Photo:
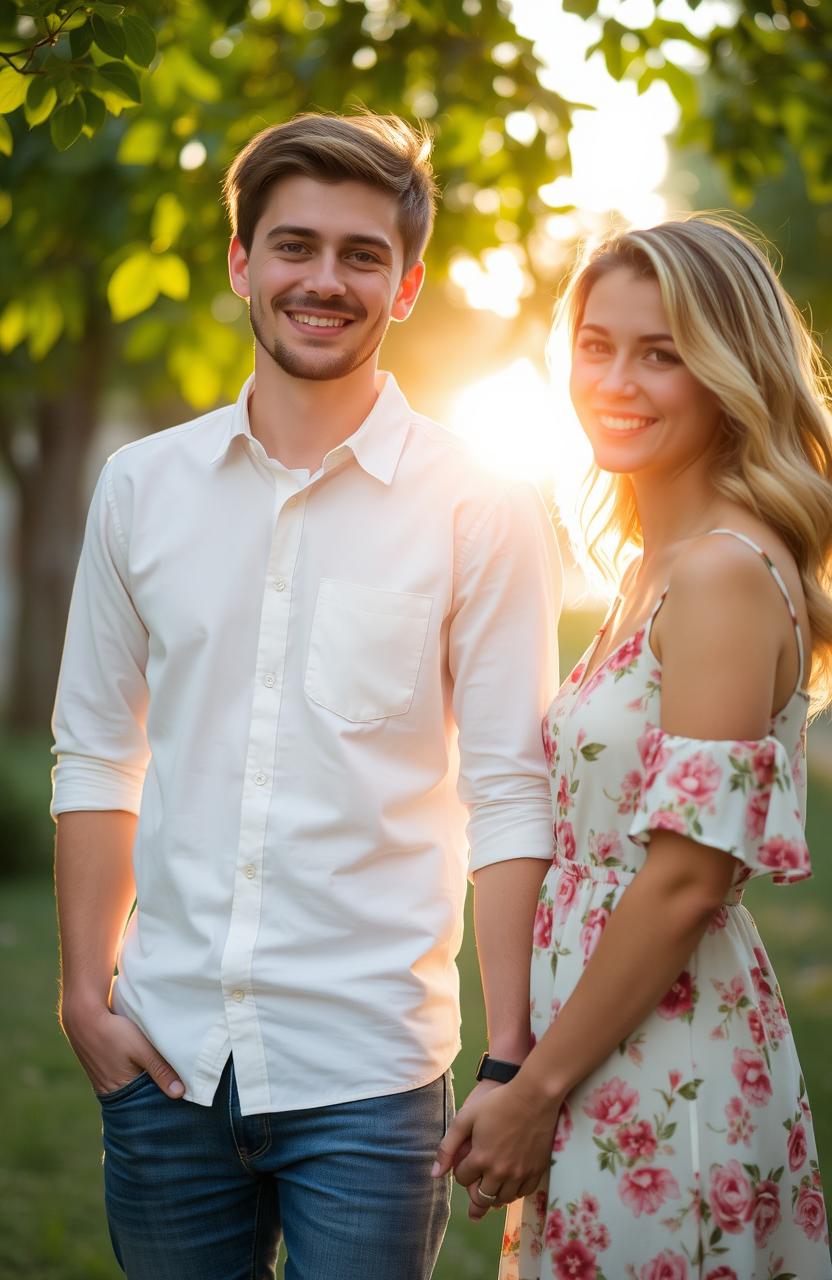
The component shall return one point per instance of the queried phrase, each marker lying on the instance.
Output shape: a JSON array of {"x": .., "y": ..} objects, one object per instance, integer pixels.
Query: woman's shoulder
[{"x": 743, "y": 559}]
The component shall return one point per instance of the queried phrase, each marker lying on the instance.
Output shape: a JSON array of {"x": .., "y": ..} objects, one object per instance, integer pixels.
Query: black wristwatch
[{"x": 496, "y": 1069}]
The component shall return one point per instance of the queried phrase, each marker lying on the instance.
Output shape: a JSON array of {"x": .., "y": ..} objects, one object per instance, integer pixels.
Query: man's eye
[
  {"x": 361, "y": 255},
  {"x": 291, "y": 246}
]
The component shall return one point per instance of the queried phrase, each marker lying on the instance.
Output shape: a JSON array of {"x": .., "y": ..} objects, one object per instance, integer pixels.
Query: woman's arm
[{"x": 722, "y": 637}]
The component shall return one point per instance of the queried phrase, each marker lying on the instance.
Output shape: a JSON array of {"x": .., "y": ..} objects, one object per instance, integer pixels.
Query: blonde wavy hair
[{"x": 743, "y": 338}]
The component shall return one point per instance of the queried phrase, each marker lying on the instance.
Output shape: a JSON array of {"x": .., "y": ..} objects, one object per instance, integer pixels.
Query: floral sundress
[{"x": 689, "y": 1153}]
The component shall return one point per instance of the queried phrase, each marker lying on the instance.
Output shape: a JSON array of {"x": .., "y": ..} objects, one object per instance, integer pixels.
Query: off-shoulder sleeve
[{"x": 736, "y": 796}]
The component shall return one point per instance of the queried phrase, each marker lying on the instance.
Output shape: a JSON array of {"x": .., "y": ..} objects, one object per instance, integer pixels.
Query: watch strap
[{"x": 496, "y": 1069}]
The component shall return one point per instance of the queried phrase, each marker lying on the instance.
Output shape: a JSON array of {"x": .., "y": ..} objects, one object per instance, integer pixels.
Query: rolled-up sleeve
[
  {"x": 101, "y": 704},
  {"x": 503, "y": 661}
]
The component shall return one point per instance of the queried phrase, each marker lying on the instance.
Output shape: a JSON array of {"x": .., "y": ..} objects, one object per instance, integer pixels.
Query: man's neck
[{"x": 298, "y": 420}]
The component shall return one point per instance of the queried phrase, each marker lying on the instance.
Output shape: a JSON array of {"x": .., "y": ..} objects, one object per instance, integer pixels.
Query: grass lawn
[{"x": 51, "y": 1220}]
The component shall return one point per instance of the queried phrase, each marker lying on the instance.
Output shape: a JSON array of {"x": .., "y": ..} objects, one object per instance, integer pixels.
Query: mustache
[{"x": 335, "y": 306}]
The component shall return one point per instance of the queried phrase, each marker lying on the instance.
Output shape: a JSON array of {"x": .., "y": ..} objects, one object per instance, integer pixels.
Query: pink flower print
[
  {"x": 565, "y": 892},
  {"x": 696, "y": 778},
  {"x": 630, "y": 792},
  {"x": 766, "y": 1211},
  {"x": 667, "y": 820},
  {"x": 750, "y": 1073},
  {"x": 564, "y": 799},
  {"x": 718, "y": 920},
  {"x": 637, "y": 1140},
  {"x": 645, "y": 1190},
  {"x": 665, "y": 1266},
  {"x": 809, "y": 1213},
  {"x": 756, "y": 1027},
  {"x": 613, "y": 1102},
  {"x": 679, "y": 999},
  {"x": 597, "y": 1236},
  {"x": 550, "y": 749},
  {"x": 756, "y": 812},
  {"x": 577, "y": 673},
  {"x": 563, "y": 1128},
  {"x": 654, "y": 754},
  {"x": 722, "y": 1273},
  {"x": 543, "y": 925},
  {"x": 675, "y": 1078},
  {"x": 730, "y": 1196},
  {"x": 555, "y": 1232},
  {"x": 762, "y": 763},
  {"x": 740, "y": 1127},
  {"x": 783, "y": 854},
  {"x": 626, "y": 652},
  {"x": 575, "y": 1262},
  {"x": 589, "y": 1205},
  {"x": 594, "y": 925},
  {"x": 797, "y": 1147},
  {"x": 565, "y": 840},
  {"x": 606, "y": 846}
]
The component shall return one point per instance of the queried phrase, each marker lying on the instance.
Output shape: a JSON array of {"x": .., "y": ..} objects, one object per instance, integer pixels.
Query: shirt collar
[{"x": 376, "y": 445}]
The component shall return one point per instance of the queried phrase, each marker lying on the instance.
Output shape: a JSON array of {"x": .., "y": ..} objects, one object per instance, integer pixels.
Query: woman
[{"x": 684, "y": 1144}]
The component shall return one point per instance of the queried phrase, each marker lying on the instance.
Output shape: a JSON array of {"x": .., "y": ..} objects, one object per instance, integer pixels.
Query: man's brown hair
[{"x": 382, "y": 151}]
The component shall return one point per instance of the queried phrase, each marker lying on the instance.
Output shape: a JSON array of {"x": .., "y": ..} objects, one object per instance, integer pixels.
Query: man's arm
[
  {"x": 95, "y": 890},
  {"x": 503, "y": 658},
  {"x": 102, "y": 753}
]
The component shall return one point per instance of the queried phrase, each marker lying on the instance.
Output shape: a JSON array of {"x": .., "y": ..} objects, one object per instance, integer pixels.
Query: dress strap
[{"x": 778, "y": 578}]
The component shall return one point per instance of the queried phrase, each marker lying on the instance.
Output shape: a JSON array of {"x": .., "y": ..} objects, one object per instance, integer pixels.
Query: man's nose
[{"x": 324, "y": 277}]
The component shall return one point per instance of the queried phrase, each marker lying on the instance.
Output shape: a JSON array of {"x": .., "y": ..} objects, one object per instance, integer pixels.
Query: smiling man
[{"x": 301, "y": 623}]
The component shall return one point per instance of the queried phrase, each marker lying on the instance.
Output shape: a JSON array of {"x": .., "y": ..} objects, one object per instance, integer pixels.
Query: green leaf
[
  {"x": 141, "y": 143},
  {"x": 592, "y": 750},
  {"x": 80, "y": 40},
  {"x": 6, "y": 206},
  {"x": 172, "y": 276},
  {"x": 168, "y": 219},
  {"x": 133, "y": 286},
  {"x": 109, "y": 36},
  {"x": 13, "y": 87},
  {"x": 6, "y": 143},
  {"x": 12, "y": 326},
  {"x": 122, "y": 79},
  {"x": 45, "y": 324},
  {"x": 67, "y": 123},
  {"x": 95, "y": 109},
  {"x": 140, "y": 38},
  {"x": 40, "y": 99},
  {"x": 583, "y": 8}
]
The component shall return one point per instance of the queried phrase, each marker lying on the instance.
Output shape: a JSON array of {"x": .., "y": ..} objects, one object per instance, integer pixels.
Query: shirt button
[
  {"x": 238, "y": 995},
  {"x": 279, "y": 584},
  {"x": 260, "y": 779},
  {"x": 249, "y": 872},
  {"x": 269, "y": 680}
]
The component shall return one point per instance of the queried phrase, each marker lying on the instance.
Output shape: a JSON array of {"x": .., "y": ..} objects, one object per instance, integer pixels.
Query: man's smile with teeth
[
  {"x": 611, "y": 422},
  {"x": 317, "y": 322}
]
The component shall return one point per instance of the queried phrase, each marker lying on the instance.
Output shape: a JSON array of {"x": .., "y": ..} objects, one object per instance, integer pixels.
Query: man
[{"x": 283, "y": 611}]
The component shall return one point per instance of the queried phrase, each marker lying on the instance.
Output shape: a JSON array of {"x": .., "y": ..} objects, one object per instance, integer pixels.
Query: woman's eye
[
  {"x": 593, "y": 347},
  {"x": 658, "y": 355}
]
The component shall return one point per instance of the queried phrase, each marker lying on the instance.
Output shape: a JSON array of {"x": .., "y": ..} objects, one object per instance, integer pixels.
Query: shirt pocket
[{"x": 365, "y": 649}]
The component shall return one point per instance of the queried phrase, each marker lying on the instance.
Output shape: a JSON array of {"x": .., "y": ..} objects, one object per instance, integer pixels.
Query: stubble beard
[{"x": 311, "y": 369}]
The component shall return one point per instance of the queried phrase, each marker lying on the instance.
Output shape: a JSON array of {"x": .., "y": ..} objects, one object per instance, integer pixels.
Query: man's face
[{"x": 324, "y": 276}]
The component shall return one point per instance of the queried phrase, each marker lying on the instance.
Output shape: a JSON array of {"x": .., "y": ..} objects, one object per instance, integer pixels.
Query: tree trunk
[{"x": 52, "y": 512}]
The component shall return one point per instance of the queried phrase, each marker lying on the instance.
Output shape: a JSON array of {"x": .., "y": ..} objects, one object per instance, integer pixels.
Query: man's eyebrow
[
  {"x": 308, "y": 233},
  {"x": 644, "y": 337}
]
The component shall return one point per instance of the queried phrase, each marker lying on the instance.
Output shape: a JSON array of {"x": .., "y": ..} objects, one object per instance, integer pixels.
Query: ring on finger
[{"x": 484, "y": 1196}]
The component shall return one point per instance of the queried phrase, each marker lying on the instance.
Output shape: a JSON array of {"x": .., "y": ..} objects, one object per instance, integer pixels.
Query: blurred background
[{"x": 553, "y": 121}]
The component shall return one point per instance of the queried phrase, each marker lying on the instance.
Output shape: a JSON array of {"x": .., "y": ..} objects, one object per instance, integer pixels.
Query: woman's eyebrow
[{"x": 644, "y": 337}]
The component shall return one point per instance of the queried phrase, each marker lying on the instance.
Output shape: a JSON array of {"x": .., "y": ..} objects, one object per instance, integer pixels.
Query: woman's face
[{"x": 640, "y": 406}]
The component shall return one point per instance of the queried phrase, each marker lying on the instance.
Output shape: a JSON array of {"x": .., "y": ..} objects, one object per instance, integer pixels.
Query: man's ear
[
  {"x": 408, "y": 291},
  {"x": 238, "y": 268}
]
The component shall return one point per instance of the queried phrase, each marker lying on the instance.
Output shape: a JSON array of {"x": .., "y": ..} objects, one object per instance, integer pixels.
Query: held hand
[
  {"x": 478, "y": 1208},
  {"x": 502, "y": 1147},
  {"x": 113, "y": 1051}
]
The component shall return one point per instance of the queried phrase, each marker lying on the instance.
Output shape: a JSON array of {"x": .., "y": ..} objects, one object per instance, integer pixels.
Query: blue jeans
[{"x": 204, "y": 1193}]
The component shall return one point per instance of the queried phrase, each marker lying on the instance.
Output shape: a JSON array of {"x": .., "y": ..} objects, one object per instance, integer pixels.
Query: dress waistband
[{"x": 620, "y": 876}]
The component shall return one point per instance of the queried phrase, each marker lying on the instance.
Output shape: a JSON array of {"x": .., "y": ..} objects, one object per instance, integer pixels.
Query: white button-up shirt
[{"x": 270, "y": 669}]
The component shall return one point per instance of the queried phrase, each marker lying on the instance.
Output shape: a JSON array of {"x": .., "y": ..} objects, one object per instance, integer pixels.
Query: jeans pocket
[{"x": 126, "y": 1090}]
